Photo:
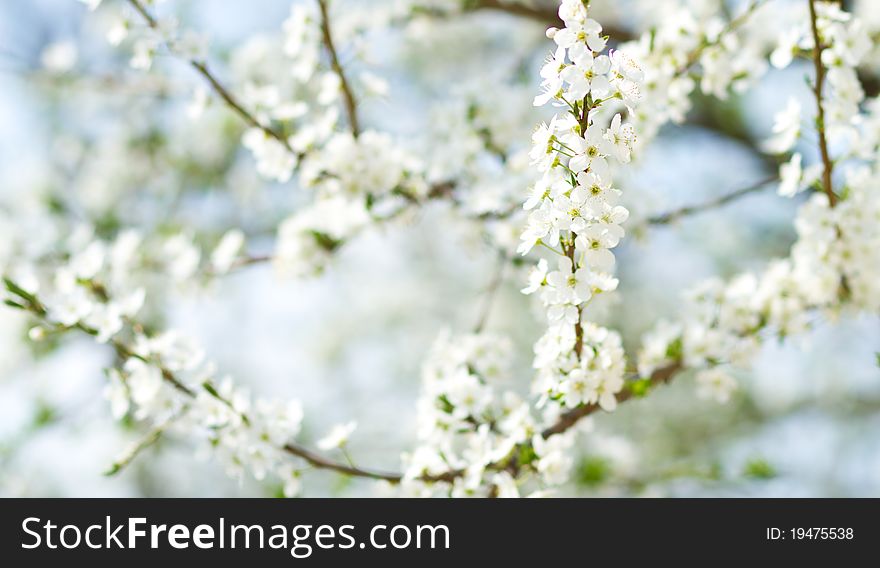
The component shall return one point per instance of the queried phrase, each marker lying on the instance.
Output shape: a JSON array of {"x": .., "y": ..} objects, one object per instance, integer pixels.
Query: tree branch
[
  {"x": 570, "y": 418},
  {"x": 31, "y": 303},
  {"x": 676, "y": 214},
  {"x": 321, "y": 462},
  {"x": 827, "y": 163},
  {"x": 347, "y": 93},
  {"x": 202, "y": 68},
  {"x": 732, "y": 26},
  {"x": 547, "y": 14}
]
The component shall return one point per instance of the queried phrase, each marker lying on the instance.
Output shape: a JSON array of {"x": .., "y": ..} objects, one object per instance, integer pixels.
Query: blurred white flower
[
  {"x": 60, "y": 56},
  {"x": 337, "y": 437}
]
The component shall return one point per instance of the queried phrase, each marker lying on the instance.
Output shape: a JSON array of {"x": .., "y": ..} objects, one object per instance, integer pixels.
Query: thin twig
[
  {"x": 221, "y": 91},
  {"x": 676, "y": 214},
  {"x": 732, "y": 26},
  {"x": 152, "y": 437},
  {"x": 250, "y": 261},
  {"x": 321, "y": 462},
  {"x": 345, "y": 87}
]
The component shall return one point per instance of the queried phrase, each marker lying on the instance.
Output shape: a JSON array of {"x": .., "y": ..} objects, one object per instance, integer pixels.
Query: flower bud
[{"x": 37, "y": 333}]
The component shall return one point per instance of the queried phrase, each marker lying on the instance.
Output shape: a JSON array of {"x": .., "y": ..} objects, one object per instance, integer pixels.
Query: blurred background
[{"x": 83, "y": 135}]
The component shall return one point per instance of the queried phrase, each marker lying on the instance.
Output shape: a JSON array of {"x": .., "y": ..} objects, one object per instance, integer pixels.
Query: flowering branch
[
  {"x": 228, "y": 98},
  {"x": 564, "y": 423},
  {"x": 230, "y": 404},
  {"x": 152, "y": 437},
  {"x": 476, "y": 436},
  {"x": 661, "y": 376},
  {"x": 731, "y": 27},
  {"x": 347, "y": 94},
  {"x": 818, "y": 85},
  {"x": 19, "y": 298}
]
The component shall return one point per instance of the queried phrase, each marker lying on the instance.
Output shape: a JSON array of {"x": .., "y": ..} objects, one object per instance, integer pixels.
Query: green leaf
[
  {"x": 112, "y": 470},
  {"x": 593, "y": 471},
  {"x": 44, "y": 415},
  {"x": 675, "y": 350},
  {"x": 18, "y": 291},
  {"x": 759, "y": 468},
  {"x": 640, "y": 387},
  {"x": 444, "y": 405},
  {"x": 325, "y": 241},
  {"x": 526, "y": 455},
  {"x": 211, "y": 390}
]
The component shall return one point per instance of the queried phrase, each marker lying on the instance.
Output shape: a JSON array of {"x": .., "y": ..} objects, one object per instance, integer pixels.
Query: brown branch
[
  {"x": 547, "y": 14},
  {"x": 321, "y": 462},
  {"x": 32, "y": 304},
  {"x": 732, "y": 26},
  {"x": 827, "y": 162},
  {"x": 202, "y": 68},
  {"x": 674, "y": 215},
  {"x": 250, "y": 260},
  {"x": 565, "y": 422},
  {"x": 570, "y": 418},
  {"x": 569, "y": 251},
  {"x": 347, "y": 94}
]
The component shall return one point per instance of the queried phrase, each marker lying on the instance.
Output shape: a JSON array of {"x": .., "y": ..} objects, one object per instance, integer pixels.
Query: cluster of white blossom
[
  {"x": 295, "y": 100},
  {"x": 355, "y": 177},
  {"x": 479, "y": 139},
  {"x": 356, "y": 181},
  {"x": 575, "y": 211},
  {"x": 844, "y": 45},
  {"x": 290, "y": 93},
  {"x": 147, "y": 41},
  {"x": 474, "y": 437},
  {"x": 827, "y": 270},
  {"x": 464, "y": 423},
  {"x": 834, "y": 265},
  {"x": 730, "y": 53},
  {"x": 478, "y": 136},
  {"x": 86, "y": 281},
  {"x": 167, "y": 383},
  {"x": 92, "y": 287},
  {"x": 161, "y": 380}
]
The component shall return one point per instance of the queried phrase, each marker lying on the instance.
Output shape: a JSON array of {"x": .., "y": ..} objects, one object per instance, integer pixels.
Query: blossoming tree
[{"x": 554, "y": 208}]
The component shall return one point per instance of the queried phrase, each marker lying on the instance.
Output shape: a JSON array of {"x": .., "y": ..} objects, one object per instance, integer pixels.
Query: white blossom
[{"x": 338, "y": 436}]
